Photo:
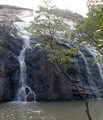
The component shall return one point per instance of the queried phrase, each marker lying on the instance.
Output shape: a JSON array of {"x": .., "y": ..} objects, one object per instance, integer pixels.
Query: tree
[
  {"x": 47, "y": 29},
  {"x": 91, "y": 32},
  {"x": 98, "y": 34},
  {"x": 84, "y": 32},
  {"x": 91, "y": 3}
]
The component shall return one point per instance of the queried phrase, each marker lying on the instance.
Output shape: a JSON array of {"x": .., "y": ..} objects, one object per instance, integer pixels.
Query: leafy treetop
[{"x": 47, "y": 28}]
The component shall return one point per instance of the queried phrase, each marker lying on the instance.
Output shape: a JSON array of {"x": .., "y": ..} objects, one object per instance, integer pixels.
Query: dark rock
[
  {"x": 49, "y": 85},
  {"x": 6, "y": 93},
  {"x": 10, "y": 47},
  {"x": 43, "y": 77},
  {"x": 30, "y": 97}
]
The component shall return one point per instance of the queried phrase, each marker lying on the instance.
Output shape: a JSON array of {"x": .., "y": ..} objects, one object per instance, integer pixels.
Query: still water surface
[{"x": 51, "y": 110}]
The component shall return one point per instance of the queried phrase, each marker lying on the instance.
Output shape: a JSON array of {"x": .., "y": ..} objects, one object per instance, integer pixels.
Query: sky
[{"x": 78, "y": 6}]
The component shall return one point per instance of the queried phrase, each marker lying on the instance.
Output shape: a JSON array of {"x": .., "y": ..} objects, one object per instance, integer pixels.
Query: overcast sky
[{"x": 78, "y": 6}]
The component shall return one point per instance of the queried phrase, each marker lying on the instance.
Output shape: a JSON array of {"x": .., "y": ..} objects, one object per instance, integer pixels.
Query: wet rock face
[
  {"x": 8, "y": 65},
  {"x": 49, "y": 84},
  {"x": 90, "y": 74},
  {"x": 10, "y": 46},
  {"x": 44, "y": 78}
]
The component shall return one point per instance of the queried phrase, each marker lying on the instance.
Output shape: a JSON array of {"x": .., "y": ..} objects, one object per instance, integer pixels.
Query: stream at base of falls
[{"x": 74, "y": 110}]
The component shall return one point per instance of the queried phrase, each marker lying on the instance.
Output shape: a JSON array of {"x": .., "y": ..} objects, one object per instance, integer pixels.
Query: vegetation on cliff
[
  {"x": 48, "y": 26},
  {"x": 90, "y": 32}
]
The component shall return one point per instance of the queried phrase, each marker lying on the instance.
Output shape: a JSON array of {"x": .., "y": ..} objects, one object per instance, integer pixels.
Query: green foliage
[
  {"x": 93, "y": 3},
  {"x": 50, "y": 29},
  {"x": 47, "y": 29},
  {"x": 78, "y": 80},
  {"x": 62, "y": 55},
  {"x": 48, "y": 22},
  {"x": 91, "y": 31},
  {"x": 99, "y": 33},
  {"x": 84, "y": 32},
  {"x": 99, "y": 59}
]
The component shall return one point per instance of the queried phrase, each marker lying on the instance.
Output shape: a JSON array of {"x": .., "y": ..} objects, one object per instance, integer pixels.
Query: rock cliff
[
  {"x": 44, "y": 78},
  {"x": 10, "y": 46}
]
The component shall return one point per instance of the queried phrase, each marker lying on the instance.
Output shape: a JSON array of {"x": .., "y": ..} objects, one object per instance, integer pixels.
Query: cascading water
[
  {"x": 91, "y": 83},
  {"x": 94, "y": 53},
  {"x": 87, "y": 67},
  {"x": 24, "y": 92}
]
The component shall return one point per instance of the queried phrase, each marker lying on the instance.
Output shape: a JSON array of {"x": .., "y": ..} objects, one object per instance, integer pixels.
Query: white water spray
[
  {"x": 96, "y": 92},
  {"x": 24, "y": 92},
  {"x": 94, "y": 53}
]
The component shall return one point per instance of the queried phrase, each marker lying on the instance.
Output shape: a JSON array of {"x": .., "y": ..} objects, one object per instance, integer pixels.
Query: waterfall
[
  {"x": 93, "y": 87},
  {"x": 94, "y": 53},
  {"x": 24, "y": 92},
  {"x": 86, "y": 64}
]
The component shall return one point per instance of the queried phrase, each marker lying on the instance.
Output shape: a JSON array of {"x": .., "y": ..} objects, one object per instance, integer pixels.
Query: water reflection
[{"x": 50, "y": 111}]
